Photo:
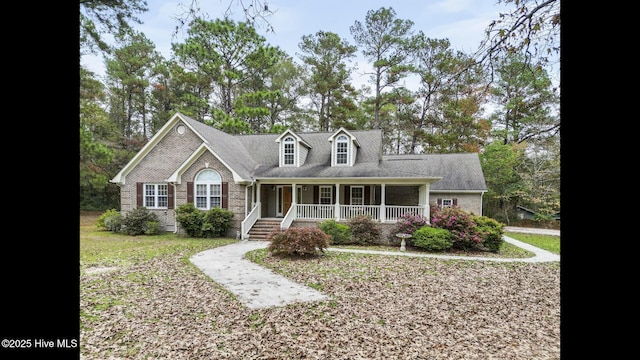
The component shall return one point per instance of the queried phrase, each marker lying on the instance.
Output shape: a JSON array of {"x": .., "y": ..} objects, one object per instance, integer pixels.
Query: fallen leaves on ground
[{"x": 380, "y": 307}]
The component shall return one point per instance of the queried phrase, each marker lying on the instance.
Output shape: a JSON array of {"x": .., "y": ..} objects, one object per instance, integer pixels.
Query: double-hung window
[
  {"x": 357, "y": 195},
  {"x": 326, "y": 194},
  {"x": 342, "y": 150},
  {"x": 156, "y": 196},
  {"x": 289, "y": 151},
  {"x": 208, "y": 190}
]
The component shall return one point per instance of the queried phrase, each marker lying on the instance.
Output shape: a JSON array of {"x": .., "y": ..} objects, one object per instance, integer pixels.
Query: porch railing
[
  {"x": 322, "y": 212},
  {"x": 315, "y": 211},
  {"x": 251, "y": 219},
  {"x": 393, "y": 213}
]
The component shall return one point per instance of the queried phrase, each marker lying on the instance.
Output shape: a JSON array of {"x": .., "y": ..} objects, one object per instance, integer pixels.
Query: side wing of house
[
  {"x": 176, "y": 166},
  {"x": 462, "y": 184}
]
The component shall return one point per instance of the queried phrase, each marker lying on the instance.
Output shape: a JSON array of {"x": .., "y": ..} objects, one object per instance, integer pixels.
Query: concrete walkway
[
  {"x": 259, "y": 287},
  {"x": 254, "y": 285}
]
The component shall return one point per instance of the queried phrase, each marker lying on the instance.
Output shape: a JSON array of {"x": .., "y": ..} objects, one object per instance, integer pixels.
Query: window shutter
[
  {"x": 367, "y": 195},
  {"x": 333, "y": 195},
  {"x": 455, "y": 202},
  {"x": 139, "y": 194},
  {"x": 439, "y": 201},
  {"x": 170, "y": 196},
  {"x": 316, "y": 197},
  {"x": 347, "y": 194},
  {"x": 225, "y": 195},
  {"x": 190, "y": 192}
]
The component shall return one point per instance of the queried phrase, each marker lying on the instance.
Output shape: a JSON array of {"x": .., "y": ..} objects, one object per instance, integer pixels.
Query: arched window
[
  {"x": 208, "y": 186},
  {"x": 342, "y": 150},
  {"x": 289, "y": 152}
]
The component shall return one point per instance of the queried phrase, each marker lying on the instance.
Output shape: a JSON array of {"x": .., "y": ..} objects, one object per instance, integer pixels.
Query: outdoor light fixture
[{"x": 304, "y": 188}]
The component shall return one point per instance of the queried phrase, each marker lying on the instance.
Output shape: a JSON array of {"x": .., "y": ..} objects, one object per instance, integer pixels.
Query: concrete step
[{"x": 262, "y": 228}]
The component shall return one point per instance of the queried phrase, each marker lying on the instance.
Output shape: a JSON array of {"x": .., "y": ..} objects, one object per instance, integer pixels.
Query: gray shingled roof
[{"x": 256, "y": 156}]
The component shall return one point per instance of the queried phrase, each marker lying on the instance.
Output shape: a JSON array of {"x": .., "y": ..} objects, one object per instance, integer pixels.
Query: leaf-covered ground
[{"x": 380, "y": 307}]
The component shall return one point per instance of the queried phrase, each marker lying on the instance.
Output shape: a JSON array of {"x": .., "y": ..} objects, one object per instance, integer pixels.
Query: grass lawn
[{"x": 550, "y": 243}]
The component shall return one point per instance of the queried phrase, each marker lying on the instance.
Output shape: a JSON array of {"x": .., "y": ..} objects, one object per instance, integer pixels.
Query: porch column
[
  {"x": 336, "y": 207},
  {"x": 383, "y": 206},
  {"x": 423, "y": 200},
  {"x": 294, "y": 193},
  {"x": 258, "y": 191},
  {"x": 246, "y": 196},
  {"x": 294, "y": 200}
]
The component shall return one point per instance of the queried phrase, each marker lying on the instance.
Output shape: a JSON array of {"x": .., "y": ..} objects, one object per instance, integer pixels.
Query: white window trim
[
  {"x": 156, "y": 195},
  {"x": 351, "y": 197},
  {"x": 295, "y": 151},
  {"x": 347, "y": 154},
  {"x": 320, "y": 197},
  {"x": 450, "y": 201},
  {"x": 208, "y": 196}
]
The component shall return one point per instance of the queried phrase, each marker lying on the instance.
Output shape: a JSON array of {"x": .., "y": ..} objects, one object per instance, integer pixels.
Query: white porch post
[
  {"x": 258, "y": 191},
  {"x": 383, "y": 206},
  {"x": 336, "y": 207},
  {"x": 424, "y": 201},
  {"x": 246, "y": 197},
  {"x": 294, "y": 199}
]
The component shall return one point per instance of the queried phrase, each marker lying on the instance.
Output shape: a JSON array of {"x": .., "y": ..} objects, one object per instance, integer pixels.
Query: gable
[
  {"x": 292, "y": 149},
  {"x": 176, "y": 125}
]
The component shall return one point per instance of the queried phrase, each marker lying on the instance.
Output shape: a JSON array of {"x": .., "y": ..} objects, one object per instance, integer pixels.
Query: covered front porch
[{"x": 384, "y": 202}]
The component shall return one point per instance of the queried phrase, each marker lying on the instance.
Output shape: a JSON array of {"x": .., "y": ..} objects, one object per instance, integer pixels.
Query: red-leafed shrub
[
  {"x": 364, "y": 230},
  {"x": 464, "y": 231},
  {"x": 298, "y": 241}
]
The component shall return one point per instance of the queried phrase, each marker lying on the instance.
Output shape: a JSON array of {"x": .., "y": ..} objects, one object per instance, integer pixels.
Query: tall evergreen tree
[
  {"x": 326, "y": 55},
  {"x": 129, "y": 71},
  {"x": 526, "y": 102},
  {"x": 383, "y": 41}
]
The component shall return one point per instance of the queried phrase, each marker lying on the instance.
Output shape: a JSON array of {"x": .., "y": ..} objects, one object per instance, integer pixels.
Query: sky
[{"x": 462, "y": 22}]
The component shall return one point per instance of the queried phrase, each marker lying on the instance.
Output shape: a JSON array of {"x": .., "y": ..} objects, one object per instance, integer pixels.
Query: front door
[{"x": 284, "y": 200}]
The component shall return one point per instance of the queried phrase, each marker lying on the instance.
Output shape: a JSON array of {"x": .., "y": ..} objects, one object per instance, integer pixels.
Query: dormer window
[
  {"x": 289, "y": 152},
  {"x": 293, "y": 149},
  {"x": 342, "y": 150}
]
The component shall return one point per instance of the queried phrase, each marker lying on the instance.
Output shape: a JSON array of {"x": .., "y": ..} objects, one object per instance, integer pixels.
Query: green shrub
[
  {"x": 216, "y": 222},
  {"x": 364, "y": 230},
  {"x": 432, "y": 239},
  {"x": 110, "y": 220},
  {"x": 491, "y": 231},
  {"x": 298, "y": 241},
  {"x": 198, "y": 223},
  {"x": 464, "y": 232},
  {"x": 139, "y": 221},
  {"x": 153, "y": 228},
  {"x": 190, "y": 219},
  {"x": 339, "y": 234}
]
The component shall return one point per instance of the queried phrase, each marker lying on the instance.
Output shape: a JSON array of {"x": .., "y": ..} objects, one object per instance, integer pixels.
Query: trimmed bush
[
  {"x": 339, "y": 234},
  {"x": 409, "y": 223},
  {"x": 197, "y": 223},
  {"x": 298, "y": 241},
  {"x": 110, "y": 220},
  {"x": 190, "y": 219},
  {"x": 432, "y": 239},
  {"x": 491, "y": 231},
  {"x": 140, "y": 221},
  {"x": 464, "y": 232},
  {"x": 364, "y": 230},
  {"x": 216, "y": 222}
]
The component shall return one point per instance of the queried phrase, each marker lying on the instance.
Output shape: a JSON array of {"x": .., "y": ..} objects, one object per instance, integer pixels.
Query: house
[
  {"x": 524, "y": 213},
  {"x": 291, "y": 179}
]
